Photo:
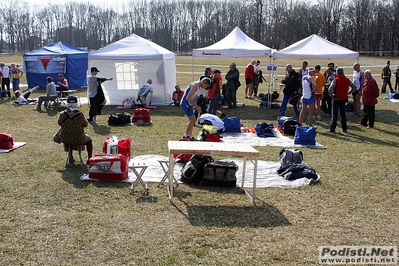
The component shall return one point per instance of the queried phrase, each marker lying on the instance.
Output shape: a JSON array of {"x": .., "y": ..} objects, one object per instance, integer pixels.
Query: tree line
[{"x": 181, "y": 25}]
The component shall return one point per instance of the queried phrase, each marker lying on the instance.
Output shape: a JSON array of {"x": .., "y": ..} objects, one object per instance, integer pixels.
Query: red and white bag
[
  {"x": 123, "y": 146},
  {"x": 6, "y": 141},
  {"x": 109, "y": 167},
  {"x": 141, "y": 116}
]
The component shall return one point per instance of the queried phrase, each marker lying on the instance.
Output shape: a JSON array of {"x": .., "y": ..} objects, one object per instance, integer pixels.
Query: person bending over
[{"x": 188, "y": 103}]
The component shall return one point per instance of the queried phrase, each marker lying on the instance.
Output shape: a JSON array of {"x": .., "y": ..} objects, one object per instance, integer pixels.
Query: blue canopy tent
[{"x": 58, "y": 58}]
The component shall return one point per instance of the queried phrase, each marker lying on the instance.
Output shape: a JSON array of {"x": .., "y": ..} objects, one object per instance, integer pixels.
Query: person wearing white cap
[{"x": 72, "y": 123}]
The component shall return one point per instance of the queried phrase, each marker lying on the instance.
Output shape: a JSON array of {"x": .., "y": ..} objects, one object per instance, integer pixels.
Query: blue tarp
[{"x": 59, "y": 58}]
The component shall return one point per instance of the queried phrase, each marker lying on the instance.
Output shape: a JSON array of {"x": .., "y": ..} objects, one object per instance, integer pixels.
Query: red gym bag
[{"x": 6, "y": 141}]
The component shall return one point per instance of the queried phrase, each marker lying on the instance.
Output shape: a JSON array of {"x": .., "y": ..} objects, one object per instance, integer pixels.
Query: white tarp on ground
[
  {"x": 235, "y": 44},
  {"x": 131, "y": 62},
  {"x": 266, "y": 176},
  {"x": 315, "y": 47}
]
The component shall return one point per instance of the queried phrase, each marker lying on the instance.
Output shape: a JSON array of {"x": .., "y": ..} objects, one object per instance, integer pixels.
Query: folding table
[{"x": 214, "y": 148}]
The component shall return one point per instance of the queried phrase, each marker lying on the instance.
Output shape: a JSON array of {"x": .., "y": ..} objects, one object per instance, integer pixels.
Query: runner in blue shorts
[
  {"x": 308, "y": 98},
  {"x": 188, "y": 103}
]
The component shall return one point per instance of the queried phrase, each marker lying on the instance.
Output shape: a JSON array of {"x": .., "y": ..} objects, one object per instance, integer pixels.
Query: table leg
[
  {"x": 254, "y": 181},
  {"x": 170, "y": 185},
  {"x": 244, "y": 167}
]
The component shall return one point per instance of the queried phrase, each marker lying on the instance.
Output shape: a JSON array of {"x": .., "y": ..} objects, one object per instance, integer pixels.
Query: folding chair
[
  {"x": 165, "y": 167},
  {"x": 139, "y": 178},
  {"x": 70, "y": 148}
]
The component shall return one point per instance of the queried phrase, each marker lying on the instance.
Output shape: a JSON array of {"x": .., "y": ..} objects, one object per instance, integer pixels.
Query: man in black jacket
[{"x": 292, "y": 83}]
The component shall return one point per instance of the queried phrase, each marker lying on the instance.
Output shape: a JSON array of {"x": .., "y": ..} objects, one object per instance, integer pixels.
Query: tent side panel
[
  {"x": 77, "y": 70},
  {"x": 163, "y": 75}
]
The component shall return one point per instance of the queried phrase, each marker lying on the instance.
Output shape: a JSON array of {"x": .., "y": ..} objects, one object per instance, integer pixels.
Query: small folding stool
[
  {"x": 165, "y": 167},
  {"x": 71, "y": 147},
  {"x": 138, "y": 171}
]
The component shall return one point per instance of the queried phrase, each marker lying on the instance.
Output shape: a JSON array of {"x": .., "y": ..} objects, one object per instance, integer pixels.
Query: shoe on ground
[
  {"x": 246, "y": 97},
  {"x": 92, "y": 122},
  {"x": 72, "y": 160},
  {"x": 369, "y": 127},
  {"x": 344, "y": 131},
  {"x": 39, "y": 110},
  {"x": 330, "y": 131}
]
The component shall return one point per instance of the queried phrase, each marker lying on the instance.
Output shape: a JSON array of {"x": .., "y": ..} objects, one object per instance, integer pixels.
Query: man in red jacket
[
  {"x": 249, "y": 78},
  {"x": 339, "y": 90},
  {"x": 370, "y": 94}
]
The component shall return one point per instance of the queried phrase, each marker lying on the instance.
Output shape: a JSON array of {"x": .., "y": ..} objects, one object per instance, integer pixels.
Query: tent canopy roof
[
  {"x": 315, "y": 47},
  {"x": 235, "y": 44},
  {"x": 132, "y": 47},
  {"x": 57, "y": 48}
]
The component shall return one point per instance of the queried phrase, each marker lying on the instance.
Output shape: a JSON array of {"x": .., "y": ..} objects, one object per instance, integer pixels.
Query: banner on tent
[
  {"x": 271, "y": 68},
  {"x": 45, "y": 64}
]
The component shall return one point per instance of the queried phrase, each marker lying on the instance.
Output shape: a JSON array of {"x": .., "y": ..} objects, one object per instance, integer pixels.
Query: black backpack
[
  {"x": 119, "y": 119},
  {"x": 289, "y": 127},
  {"x": 289, "y": 157},
  {"x": 193, "y": 171}
]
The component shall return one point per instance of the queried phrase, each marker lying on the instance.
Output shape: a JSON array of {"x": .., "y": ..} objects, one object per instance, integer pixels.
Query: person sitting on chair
[
  {"x": 62, "y": 85},
  {"x": 144, "y": 92},
  {"x": 72, "y": 123},
  {"x": 177, "y": 95},
  {"x": 51, "y": 95}
]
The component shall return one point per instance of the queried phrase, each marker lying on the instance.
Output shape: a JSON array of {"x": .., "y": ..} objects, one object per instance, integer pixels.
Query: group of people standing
[
  {"x": 9, "y": 75},
  {"x": 328, "y": 93}
]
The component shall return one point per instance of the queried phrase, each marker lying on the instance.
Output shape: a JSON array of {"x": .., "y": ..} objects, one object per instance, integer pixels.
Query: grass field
[{"x": 48, "y": 216}]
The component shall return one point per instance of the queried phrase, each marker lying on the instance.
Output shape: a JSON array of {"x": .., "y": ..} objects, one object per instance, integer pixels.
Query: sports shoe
[
  {"x": 330, "y": 131},
  {"x": 344, "y": 131},
  {"x": 39, "y": 110}
]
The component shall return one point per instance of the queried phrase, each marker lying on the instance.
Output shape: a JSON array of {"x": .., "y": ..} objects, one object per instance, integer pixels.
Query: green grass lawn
[{"x": 48, "y": 216}]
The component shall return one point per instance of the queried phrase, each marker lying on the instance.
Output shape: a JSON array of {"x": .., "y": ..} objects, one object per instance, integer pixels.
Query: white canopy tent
[
  {"x": 235, "y": 44},
  {"x": 131, "y": 62},
  {"x": 315, "y": 47}
]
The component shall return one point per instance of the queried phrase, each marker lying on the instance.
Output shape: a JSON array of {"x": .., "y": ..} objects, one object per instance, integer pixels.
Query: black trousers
[
  {"x": 368, "y": 115},
  {"x": 326, "y": 102},
  {"x": 386, "y": 81},
  {"x": 338, "y": 105}
]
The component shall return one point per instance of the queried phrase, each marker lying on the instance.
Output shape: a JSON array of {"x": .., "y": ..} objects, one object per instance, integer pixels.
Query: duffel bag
[
  {"x": 119, "y": 119},
  {"x": 6, "y": 141},
  {"x": 305, "y": 135},
  {"x": 221, "y": 174},
  {"x": 193, "y": 170}
]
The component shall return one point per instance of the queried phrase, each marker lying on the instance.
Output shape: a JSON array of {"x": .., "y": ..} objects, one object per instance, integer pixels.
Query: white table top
[{"x": 204, "y": 147}]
